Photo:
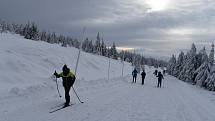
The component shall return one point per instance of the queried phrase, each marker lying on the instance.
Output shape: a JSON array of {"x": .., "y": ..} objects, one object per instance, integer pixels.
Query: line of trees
[
  {"x": 137, "y": 59},
  {"x": 31, "y": 31},
  {"x": 196, "y": 68}
]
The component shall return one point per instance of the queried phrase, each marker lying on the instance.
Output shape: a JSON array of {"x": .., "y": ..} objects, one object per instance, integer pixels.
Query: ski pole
[
  {"x": 76, "y": 67},
  {"x": 57, "y": 88},
  {"x": 77, "y": 95}
]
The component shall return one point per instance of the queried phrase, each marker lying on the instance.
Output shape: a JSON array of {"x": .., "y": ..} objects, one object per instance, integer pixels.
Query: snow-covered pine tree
[
  {"x": 9, "y": 27},
  {"x": 210, "y": 82},
  {"x": 85, "y": 44},
  {"x": 211, "y": 56},
  {"x": 179, "y": 65},
  {"x": 171, "y": 65},
  {"x": 210, "y": 85},
  {"x": 91, "y": 46},
  {"x": 70, "y": 41},
  {"x": 113, "y": 51},
  {"x": 98, "y": 44},
  {"x": 15, "y": 28},
  {"x": 42, "y": 36},
  {"x": 20, "y": 30},
  {"x": 26, "y": 30},
  {"x": 48, "y": 37},
  {"x": 61, "y": 39},
  {"x": 201, "y": 74},
  {"x": 103, "y": 49},
  {"x": 76, "y": 43},
  {"x": 3, "y": 27},
  {"x": 31, "y": 31},
  {"x": 121, "y": 55},
  {"x": 189, "y": 68},
  {"x": 201, "y": 57},
  {"x": 53, "y": 38}
]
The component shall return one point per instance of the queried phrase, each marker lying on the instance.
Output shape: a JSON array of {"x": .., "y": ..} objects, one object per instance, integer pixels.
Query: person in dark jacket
[
  {"x": 143, "y": 74},
  {"x": 160, "y": 77},
  {"x": 156, "y": 72},
  {"x": 164, "y": 71},
  {"x": 68, "y": 81},
  {"x": 134, "y": 74}
]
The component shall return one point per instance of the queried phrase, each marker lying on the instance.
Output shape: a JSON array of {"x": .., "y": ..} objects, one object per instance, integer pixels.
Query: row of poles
[
  {"x": 77, "y": 63},
  {"x": 109, "y": 60}
]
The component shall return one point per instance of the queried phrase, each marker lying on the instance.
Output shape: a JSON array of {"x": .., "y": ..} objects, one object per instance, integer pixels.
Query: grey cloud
[{"x": 127, "y": 22}]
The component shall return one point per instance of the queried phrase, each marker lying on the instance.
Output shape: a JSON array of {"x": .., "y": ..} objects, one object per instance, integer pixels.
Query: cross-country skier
[
  {"x": 143, "y": 76},
  {"x": 156, "y": 72},
  {"x": 68, "y": 81},
  {"x": 160, "y": 77},
  {"x": 164, "y": 71},
  {"x": 134, "y": 74}
]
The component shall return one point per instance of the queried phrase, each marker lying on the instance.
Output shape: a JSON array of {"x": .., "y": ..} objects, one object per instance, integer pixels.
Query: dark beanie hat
[{"x": 64, "y": 67}]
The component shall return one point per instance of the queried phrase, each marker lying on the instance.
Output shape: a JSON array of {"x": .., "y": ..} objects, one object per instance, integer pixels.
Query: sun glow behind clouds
[
  {"x": 157, "y": 5},
  {"x": 124, "y": 48}
]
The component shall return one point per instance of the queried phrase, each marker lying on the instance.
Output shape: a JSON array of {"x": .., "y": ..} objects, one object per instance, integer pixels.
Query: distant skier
[
  {"x": 68, "y": 81},
  {"x": 134, "y": 74},
  {"x": 143, "y": 74},
  {"x": 160, "y": 77},
  {"x": 164, "y": 71},
  {"x": 156, "y": 72}
]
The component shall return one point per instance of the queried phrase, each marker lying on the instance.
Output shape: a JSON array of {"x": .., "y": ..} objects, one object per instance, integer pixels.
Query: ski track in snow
[{"x": 120, "y": 100}]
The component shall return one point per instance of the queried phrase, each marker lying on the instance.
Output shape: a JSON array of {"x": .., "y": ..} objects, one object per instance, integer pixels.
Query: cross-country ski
[{"x": 60, "y": 108}]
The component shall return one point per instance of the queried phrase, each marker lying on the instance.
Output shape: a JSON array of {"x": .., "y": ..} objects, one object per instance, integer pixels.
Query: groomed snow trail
[{"x": 120, "y": 100}]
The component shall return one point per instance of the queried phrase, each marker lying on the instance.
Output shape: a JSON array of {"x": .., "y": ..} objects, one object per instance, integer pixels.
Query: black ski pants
[
  {"x": 159, "y": 83},
  {"x": 134, "y": 79},
  {"x": 67, "y": 96},
  {"x": 143, "y": 78}
]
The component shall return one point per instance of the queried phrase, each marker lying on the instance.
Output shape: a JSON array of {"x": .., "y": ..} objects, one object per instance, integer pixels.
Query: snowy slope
[
  {"x": 28, "y": 94},
  {"x": 24, "y": 63}
]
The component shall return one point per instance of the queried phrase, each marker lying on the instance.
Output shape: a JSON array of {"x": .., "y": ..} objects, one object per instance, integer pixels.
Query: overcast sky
[{"x": 160, "y": 27}]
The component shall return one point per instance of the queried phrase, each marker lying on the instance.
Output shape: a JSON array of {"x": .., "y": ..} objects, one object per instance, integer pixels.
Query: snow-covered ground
[{"x": 28, "y": 94}]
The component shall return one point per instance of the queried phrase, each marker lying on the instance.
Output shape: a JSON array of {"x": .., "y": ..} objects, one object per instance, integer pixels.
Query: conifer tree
[
  {"x": 179, "y": 65},
  {"x": 211, "y": 56},
  {"x": 171, "y": 65}
]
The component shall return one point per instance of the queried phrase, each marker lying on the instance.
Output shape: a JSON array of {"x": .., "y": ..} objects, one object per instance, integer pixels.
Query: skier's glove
[{"x": 55, "y": 73}]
